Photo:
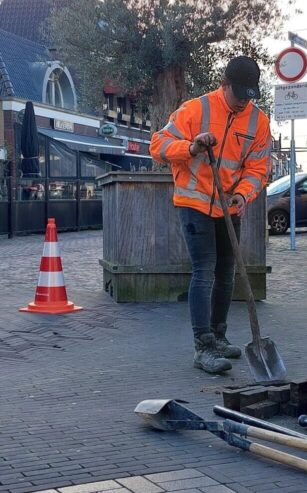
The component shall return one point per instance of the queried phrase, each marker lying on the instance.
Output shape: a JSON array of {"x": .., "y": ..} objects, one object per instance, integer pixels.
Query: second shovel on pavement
[{"x": 262, "y": 354}]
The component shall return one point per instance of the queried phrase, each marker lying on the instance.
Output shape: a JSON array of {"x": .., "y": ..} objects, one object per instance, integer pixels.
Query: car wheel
[{"x": 278, "y": 221}]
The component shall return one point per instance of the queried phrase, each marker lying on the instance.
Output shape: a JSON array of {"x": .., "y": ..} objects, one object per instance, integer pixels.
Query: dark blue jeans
[{"x": 213, "y": 264}]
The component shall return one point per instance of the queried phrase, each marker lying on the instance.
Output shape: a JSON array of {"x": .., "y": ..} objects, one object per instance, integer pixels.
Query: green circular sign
[{"x": 108, "y": 129}]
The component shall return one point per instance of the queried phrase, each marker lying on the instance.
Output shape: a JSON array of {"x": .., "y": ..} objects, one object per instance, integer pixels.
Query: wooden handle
[
  {"x": 270, "y": 453},
  {"x": 237, "y": 253},
  {"x": 272, "y": 436}
]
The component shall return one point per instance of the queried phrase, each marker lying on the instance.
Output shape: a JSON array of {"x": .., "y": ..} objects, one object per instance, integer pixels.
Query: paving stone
[
  {"x": 216, "y": 489},
  {"x": 215, "y": 473},
  {"x": 187, "y": 491},
  {"x": 172, "y": 475},
  {"x": 48, "y": 491},
  {"x": 279, "y": 393},
  {"x": 238, "y": 488},
  {"x": 263, "y": 410},
  {"x": 90, "y": 487},
  {"x": 139, "y": 484},
  {"x": 188, "y": 483},
  {"x": 249, "y": 397}
]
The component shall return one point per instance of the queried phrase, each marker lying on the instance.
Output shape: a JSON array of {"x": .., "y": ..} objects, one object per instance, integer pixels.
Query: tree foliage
[{"x": 159, "y": 51}]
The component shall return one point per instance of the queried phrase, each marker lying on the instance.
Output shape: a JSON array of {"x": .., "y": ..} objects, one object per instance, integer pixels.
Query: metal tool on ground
[
  {"x": 262, "y": 354},
  {"x": 224, "y": 412},
  {"x": 171, "y": 415}
]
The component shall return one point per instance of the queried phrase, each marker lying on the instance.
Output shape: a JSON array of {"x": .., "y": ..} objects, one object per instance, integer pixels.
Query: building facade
[{"x": 75, "y": 148}]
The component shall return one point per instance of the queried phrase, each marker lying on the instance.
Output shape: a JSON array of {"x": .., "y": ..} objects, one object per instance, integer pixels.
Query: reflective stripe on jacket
[{"x": 242, "y": 152}]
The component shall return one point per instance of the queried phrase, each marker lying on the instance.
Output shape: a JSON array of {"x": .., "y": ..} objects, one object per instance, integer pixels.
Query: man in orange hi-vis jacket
[{"x": 240, "y": 133}]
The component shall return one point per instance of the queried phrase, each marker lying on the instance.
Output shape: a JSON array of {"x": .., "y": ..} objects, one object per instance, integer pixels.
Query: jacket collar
[{"x": 221, "y": 97}]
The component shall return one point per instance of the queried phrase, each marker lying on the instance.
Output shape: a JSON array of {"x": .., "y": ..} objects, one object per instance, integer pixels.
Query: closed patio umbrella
[{"x": 29, "y": 144}]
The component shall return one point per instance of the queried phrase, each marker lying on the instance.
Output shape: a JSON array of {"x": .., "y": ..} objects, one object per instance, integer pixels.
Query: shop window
[
  {"x": 3, "y": 189},
  {"x": 62, "y": 190},
  {"x": 30, "y": 189},
  {"x": 89, "y": 190},
  {"x": 63, "y": 162},
  {"x": 93, "y": 167}
]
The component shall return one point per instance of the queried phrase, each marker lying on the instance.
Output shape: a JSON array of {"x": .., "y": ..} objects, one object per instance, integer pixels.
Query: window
[
  {"x": 58, "y": 87},
  {"x": 302, "y": 188},
  {"x": 62, "y": 161},
  {"x": 93, "y": 167},
  {"x": 4, "y": 183},
  {"x": 54, "y": 94},
  {"x": 121, "y": 106},
  {"x": 109, "y": 98},
  {"x": 30, "y": 189},
  {"x": 62, "y": 190},
  {"x": 89, "y": 190}
]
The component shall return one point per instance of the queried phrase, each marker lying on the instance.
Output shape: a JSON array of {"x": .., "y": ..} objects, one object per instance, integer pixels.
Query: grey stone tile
[
  {"x": 138, "y": 484},
  {"x": 188, "y": 483},
  {"x": 47, "y": 491},
  {"x": 187, "y": 491},
  {"x": 172, "y": 475},
  {"x": 91, "y": 487},
  {"x": 217, "y": 489}
]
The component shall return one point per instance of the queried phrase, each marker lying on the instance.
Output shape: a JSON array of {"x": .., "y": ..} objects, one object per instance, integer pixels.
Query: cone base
[{"x": 53, "y": 309}]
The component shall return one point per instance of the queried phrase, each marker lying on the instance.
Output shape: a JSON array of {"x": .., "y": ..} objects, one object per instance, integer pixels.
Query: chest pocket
[{"x": 244, "y": 141}]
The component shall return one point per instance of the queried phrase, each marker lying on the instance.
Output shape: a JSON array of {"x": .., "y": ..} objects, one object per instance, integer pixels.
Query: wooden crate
[{"x": 144, "y": 254}]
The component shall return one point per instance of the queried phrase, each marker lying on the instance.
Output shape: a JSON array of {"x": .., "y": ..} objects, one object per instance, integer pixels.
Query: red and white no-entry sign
[{"x": 291, "y": 64}]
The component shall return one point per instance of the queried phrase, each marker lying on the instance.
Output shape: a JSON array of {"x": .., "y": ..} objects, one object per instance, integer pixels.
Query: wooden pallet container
[{"x": 144, "y": 253}]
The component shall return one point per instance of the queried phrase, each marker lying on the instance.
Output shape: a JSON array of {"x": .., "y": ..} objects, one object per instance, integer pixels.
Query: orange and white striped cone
[{"x": 50, "y": 296}]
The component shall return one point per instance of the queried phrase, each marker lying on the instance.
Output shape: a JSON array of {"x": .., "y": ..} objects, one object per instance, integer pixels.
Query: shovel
[
  {"x": 262, "y": 354},
  {"x": 171, "y": 415}
]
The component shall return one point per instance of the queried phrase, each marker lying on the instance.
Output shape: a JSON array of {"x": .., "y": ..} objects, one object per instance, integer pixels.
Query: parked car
[{"x": 278, "y": 203}]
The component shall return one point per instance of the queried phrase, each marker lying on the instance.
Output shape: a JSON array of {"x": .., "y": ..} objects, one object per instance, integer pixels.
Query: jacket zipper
[{"x": 228, "y": 125}]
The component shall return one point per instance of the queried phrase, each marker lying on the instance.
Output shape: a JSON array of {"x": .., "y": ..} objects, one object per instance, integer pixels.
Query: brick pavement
[{"x": 69, "y": 383}]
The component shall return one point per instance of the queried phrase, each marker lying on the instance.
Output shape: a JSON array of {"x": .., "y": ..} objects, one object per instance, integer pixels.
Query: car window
[
  {"x": 302, "y": 187},
  {"x": 282, "y": 184}
]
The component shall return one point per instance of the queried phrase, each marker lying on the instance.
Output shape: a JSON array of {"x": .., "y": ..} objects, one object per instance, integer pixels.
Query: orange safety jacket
[{"x": 242, "y": 152}]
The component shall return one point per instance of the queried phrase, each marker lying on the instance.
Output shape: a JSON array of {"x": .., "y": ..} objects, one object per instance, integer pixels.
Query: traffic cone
[{"x": 50, "y": 296}]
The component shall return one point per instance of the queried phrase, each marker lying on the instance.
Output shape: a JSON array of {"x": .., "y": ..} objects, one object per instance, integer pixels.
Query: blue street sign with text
[{"x": 294, "y": 38}]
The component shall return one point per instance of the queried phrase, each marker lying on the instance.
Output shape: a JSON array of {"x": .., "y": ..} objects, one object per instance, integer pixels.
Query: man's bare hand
[
  {"x": 201, "y": 143},
  {"x": 238, "y": 201}
]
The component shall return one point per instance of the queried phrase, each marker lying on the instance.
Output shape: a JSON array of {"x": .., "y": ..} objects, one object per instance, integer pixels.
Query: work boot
[
  {"x": 207, "y": 357},
  {"x": 224, "y": 347}
]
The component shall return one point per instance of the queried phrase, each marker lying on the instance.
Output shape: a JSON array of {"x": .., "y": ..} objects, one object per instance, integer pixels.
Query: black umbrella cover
[{"x": 29, "y": 143}]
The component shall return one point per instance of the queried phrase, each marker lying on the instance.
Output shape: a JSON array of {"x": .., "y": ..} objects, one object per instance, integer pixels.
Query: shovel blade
[
  {"x": 264, "y": 361},
  {"x": 158, "y": 412}
]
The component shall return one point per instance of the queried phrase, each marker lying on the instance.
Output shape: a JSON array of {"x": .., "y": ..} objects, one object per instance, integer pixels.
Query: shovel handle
[
  {"x": 277, "y": 455},
  {"x": 267, "y": 452},
  {"x": 268, "y": 435},
  {"x": 250, "y": 300}
]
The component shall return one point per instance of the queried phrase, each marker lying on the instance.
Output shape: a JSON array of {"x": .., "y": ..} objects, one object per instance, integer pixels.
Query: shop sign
[
  {"x": 133, "y": 146},
  {"x": 64, "y": 125},
  {"x": 108, "y": 129}
]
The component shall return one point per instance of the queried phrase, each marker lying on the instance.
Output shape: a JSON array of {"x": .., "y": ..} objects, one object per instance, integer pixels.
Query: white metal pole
[
  {"x": 292, "y": 184},
  {"x": 292, "y": 187}
]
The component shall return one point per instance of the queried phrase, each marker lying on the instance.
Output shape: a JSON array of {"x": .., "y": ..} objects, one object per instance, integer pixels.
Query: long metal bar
[{"x": 244, "y": 418}]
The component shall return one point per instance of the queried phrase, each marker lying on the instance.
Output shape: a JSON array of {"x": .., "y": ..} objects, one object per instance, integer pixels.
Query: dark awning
[
  {"x": 78, "y": 142},
  {"x": 132, "y": 162}
]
